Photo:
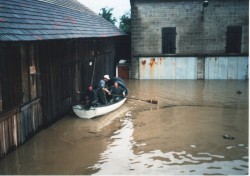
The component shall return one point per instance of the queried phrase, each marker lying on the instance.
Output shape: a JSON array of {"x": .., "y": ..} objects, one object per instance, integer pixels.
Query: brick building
[{"x": 193, "y": 39}]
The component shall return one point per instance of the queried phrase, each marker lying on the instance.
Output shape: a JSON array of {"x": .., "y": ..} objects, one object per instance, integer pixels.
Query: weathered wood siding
[
  {"x": 70, "y": 65},
  {"x": 62, "y": 67},
  {"x": 9, "y": 130},
  {"x": 31, "y": 119},
  {"x": 18, "y": 125}
]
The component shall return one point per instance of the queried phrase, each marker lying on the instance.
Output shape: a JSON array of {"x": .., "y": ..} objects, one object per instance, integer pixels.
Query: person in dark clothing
[
  {"x": 90, "y": 97},
  {"x": 102, "y": 90},
  {"x": 117, "y": 92}
]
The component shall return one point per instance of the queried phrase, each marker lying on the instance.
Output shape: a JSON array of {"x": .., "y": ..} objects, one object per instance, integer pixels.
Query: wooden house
[
  {"x": 48, "y": 50},
  {"x": 194, "y": 39}
]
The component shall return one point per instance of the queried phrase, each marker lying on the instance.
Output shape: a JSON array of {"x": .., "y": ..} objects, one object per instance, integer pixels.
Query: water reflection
[
  {"x": 187, "y": 92},
  {"x": 182, "y": 135},
  {"x": 120, "y": 158},
  {"x": 116, "y": 158},
  {"x": 158, "y": 162}
]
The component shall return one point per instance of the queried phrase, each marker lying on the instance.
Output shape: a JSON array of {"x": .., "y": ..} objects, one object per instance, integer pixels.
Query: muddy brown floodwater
[{"x": 188, "y": 133}]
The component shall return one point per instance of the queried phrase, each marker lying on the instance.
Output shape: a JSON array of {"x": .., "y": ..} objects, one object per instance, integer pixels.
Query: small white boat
[
  {"x": 99, "y": 110},
  {"x": 96, "y": 111}
]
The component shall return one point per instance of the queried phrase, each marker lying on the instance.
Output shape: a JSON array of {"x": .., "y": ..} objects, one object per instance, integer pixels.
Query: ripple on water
[{"x": 120, "y": 158}]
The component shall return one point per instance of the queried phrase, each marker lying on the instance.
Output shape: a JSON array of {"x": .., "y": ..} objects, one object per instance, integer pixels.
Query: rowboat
[
  {"x": 99, "y": 110},
  {"x": 96, "y": 111}
]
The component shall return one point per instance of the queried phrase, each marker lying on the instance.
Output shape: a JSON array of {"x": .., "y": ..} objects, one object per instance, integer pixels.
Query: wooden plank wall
[
  {"x": 63, "y": 66},
  {"x": 18, "y": 125},
  {"x": 31, "y": 120},
  {"x": 70, "y": 65},
  {"x": 59, "y": 64},
  {"x": 9, "y": 131}
]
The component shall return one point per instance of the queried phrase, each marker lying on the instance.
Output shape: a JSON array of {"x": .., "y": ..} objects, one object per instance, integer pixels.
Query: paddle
[{"x": 149, "y": 101}]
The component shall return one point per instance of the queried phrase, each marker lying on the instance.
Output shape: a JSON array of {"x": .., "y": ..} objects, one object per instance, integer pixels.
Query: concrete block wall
[
  {"x": 194, "y": 35},
  {"x": 200, "y": 67}
]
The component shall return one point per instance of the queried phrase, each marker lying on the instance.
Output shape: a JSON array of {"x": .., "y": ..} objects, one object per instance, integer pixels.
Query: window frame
[
  {"x": 169, "y": 40},
  {"x": 233, "y": 39},
  {"x": 11, "y": 79}
]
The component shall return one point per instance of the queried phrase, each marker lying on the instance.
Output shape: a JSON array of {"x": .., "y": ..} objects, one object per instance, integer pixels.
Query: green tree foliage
[
  {"x": 107, "y": 14},
  {"x": 125, "y": 22}
]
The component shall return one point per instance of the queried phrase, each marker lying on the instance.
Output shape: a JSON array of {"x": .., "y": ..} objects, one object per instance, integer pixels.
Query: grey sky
[{"x": 120, "y": 6}]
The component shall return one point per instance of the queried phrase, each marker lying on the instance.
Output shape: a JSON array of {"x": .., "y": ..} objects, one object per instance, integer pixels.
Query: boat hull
[{"x": 96, "y": 111}]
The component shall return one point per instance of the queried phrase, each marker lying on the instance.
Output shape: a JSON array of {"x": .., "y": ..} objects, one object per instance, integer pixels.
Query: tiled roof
[{"x": 27, "y": 20}]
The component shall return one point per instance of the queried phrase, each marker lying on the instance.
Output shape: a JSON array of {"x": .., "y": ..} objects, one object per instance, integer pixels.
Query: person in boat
[
  {"x": 103, "y": 90},
  {"x": 90, "y": 97},
  {"x": 117, "y": 92}
]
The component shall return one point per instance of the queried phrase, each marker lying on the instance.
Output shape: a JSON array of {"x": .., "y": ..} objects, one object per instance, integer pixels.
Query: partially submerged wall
[{"x": 192, "y": 68}]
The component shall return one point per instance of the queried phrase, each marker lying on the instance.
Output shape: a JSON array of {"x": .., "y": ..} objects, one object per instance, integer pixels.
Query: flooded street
[{"x": 198, "y": 128}]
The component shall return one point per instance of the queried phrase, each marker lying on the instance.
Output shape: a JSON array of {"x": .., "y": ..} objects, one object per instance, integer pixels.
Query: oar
[{"x": 149, "y": 101}]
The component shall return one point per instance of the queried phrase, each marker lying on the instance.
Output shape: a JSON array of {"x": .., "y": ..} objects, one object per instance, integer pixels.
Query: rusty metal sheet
[{"x": 168, "y": 68}]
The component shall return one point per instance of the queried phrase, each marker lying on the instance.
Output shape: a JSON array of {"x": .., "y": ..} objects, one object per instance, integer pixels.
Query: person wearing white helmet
[{"x": 102, "y": 90}]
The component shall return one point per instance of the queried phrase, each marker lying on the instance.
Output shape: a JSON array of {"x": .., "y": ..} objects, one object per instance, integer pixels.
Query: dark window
[
  {"x": 10, "y": 71},
  {"x": 168, "y": 40},
  {"x": 234, "y": 34}
]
